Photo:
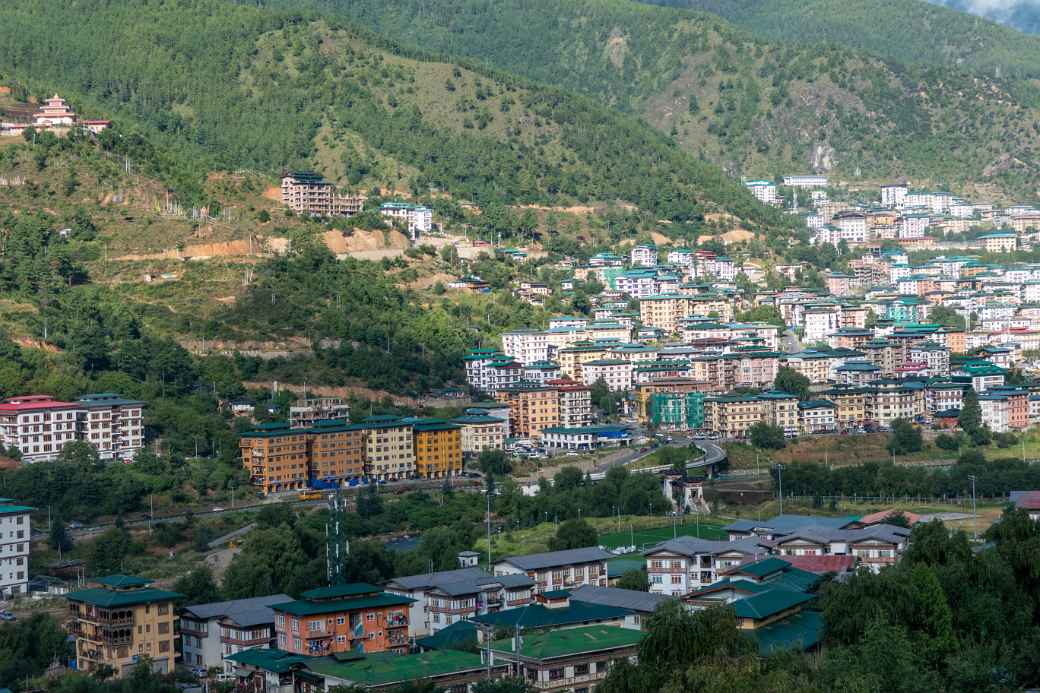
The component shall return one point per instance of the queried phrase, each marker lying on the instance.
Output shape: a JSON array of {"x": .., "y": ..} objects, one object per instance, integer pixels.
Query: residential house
[
  {"x": 559, "y": 569},
  {"x": 211, "y": 632}
]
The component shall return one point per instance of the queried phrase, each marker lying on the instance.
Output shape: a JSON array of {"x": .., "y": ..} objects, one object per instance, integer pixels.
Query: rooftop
[
  {"x": 385, "y": 668},
  {"x": 552, "y": 559},
  {"x": 570, "y": 642},
  {"x": 243, "y": 612},
  {"x": 108, "y": 599},
  {"x": 769, "y": 603}
]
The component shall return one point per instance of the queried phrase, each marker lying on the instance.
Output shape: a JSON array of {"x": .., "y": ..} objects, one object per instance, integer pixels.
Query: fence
[{"x": 963, "y": 501}]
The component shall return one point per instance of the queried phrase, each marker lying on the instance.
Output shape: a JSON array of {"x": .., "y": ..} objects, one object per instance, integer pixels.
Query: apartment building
[
  {"x": 15, "y": 534},
  {"x": 557, "y": 570},
  {"x": 574, "y": 402},
  {"x": 733, "y": 415},
  {"x": 531, "y": 409},
  {"x": 893, "y": 399},
  {"x": 438, "y": 448},
  {"x": 643, "y": 256},
  {"x": 356, "y": 617},
  {"x": 781, "y": 410},
  {"x": 417, "y": 219},
  {"x": 112, "y": 424},
  {"x": 526, "y": 346},
  {"x": 682, "y": 565},
  {"x": 873, "y": 547},
  {"x": 39, "y": 426},
  {"x": 478, "y": 368},
  {"x": 674, "y": 411},
  {"x": 307, "y": 193},
  {"x": 336, "y": 451},
  {"x": 616, "y": 373},
  {"x": 120, "y": 621},
  {"x": 573, "y": 358},
  {"x": 817, "y": 416},
  {"x": 850, "y": 405},
  {"x": 480, "y": 433},
  {"x": 390, "y": 448},
  {"x": 447, "y": 597},
  {"x": 212, "y": 632},
  {"x": 664, "y": 311},
  {"x": 276, "y": 457}
]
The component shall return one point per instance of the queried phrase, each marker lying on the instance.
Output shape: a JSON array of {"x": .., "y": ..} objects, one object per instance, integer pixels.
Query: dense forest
[
  {"x": 755, "y": 106},
  {"x": 233, "y": 86},
  {"x": 891, "y": 29}
]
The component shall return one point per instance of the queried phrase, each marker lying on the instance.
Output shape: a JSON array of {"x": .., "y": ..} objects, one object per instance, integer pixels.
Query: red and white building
[{"x": 55, "y": 115}]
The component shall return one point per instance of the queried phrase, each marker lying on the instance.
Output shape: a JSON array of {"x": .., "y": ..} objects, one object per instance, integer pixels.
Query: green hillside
[
  {"x": 907, "y": 31},
  {"x": 238, "y": 86},
  {"x": 754, "y": 107}
]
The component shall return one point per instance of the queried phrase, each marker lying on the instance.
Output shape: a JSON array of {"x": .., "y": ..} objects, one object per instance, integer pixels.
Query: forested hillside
[
  {"x": 753, "y": 107},
  {"x": 237, "y": 86},
  {"x": 1023, "y": 15},
  {"x": 908, "y": 31}
]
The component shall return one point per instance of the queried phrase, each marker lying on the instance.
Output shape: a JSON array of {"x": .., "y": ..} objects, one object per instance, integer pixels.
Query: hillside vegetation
[
  {"x": 906, "y": 31},
  {"x": 238, "y": 86},
  {"x": 752, "y": 106}
]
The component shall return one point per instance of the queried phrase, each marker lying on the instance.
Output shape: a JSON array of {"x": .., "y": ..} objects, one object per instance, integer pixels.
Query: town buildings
[
  {"x": 558, "y": 569},
  {"x": 120, "y": 621}
]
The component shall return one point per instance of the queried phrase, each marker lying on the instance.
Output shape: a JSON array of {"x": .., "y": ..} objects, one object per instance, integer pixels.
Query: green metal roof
[
  {"x": 15, "y": 509},
  {"x": 570, "y": 641},
  {"x": 269, "y": 659},
  {"x": 310, "y": 608},
  {"x": 537, "y": 616},
  {"x": 768, "y": 603},
  {"x": 461, "y": 635},
  {"x": 801, "y": 631},
  {"x": 385, "y": 668},
  {"x": 122, "y": 581},
  {"x": 353, "y": 589},
  {"x": 110, "y": 599},
  {"x": 764, "y": 567}
]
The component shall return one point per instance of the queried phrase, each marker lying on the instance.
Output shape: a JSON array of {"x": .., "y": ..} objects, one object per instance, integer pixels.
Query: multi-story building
[
  {"x": 15, "y": 533},
  {"x": 574, "y": 402},
  {"x": 643, "y": 256},
  {"x": 306, "y": 192},
  {"x": 39, "y": 426},
  {"x": 557, "y": 570},
  {"x": 416, "y": 218},
  {"x": 390, "y": 448},
  {"x": 336, "y": 452},
  {"x": 616, "y": 373},
  {"x": 478, "y": 368},
  {"x": 211, "y": 632},
  {"x": 531, "y": 408},
  {"x": 763, "y": 190},
  {"x": 526, "y": 346},
  {"x": 732, "y": 416},
  {"x": 480, "y": 433},
  {"x": 817, "y": 416},
  {"x": 276, "y": 457},
  {"x": 675, "y": 411},
  {"x": 121, "y": 621},
  {"x": 343, "y": 618},
  {"x": 450, "y": 596},
  {"x": 438, "y": 448},
  {"x": 781, "y": 410},
  {"x": 681, "y": 565},
  {"x": 112, "y": 424},
  {"x": 304, "y": 413}
]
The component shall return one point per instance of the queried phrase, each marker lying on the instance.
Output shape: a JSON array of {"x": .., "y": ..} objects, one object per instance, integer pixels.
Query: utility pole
[
  {"x": 780, "y": 481},
  {"x": 488, "y": 492},
  {"x": 974, "y": 514}
]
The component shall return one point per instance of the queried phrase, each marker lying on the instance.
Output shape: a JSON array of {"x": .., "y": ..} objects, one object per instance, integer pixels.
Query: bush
[
  {"x": 1005, "y": 440},
  {"x": 948, "y": 442},
  {"x": 766, "y": 437}
]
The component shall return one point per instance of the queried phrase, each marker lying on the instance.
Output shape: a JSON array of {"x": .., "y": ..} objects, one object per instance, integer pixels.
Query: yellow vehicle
[{"x": 310, "y": 495}]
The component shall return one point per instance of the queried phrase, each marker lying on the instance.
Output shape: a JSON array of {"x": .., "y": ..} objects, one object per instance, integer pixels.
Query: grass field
[{"x": 642, "y": 538}]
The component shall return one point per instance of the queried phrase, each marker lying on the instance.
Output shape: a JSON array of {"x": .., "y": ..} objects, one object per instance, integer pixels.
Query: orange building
[
  {"x": 337, "y": 450},
  {"x": 531, "y": 408},
  {"x": 438, "y": 448},
  {"x": 343, "y": 618},
  {"x": 276, "y": 456}
]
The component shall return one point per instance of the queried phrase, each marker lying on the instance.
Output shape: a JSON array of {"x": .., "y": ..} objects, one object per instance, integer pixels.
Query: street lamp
[
  {"x": 974, "y": 514},
  {"x": 780, "y": 481}
]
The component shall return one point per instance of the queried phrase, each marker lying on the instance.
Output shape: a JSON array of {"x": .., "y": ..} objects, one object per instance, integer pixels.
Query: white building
[
  {"x": 682, "y": 565},
  {"x": 557, "y": 570},
  {"x": 418, "y": 219},
  {"x": 763, "y": 190},
  {"x": 852, "y": 226},
  {"x": 643, "y": 256},
  {"x": 809, "y": 181},
  {"x": 113, "y": 425},
  {"x": 913, "y": 225},
  {"x": 616, "y": 373},
  {"x": 526, "y": 346},
  {"x": 212, "y": 632},
  {"x": 819, "y": 323},
  {"x": 14, "y": 548},
  {"x": 893, "y": 195}
]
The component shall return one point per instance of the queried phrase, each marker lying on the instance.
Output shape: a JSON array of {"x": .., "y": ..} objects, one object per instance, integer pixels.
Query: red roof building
[{"x": 823, "y": 564}]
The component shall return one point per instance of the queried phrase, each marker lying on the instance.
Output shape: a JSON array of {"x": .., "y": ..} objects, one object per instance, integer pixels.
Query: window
[
  {"x": 581, "y": 669},
  {"x": 555, "y": 674}
]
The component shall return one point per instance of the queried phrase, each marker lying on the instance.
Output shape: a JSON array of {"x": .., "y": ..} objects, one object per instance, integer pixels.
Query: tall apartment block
[
  {"x": 112, "y": 424},
  {"x": 306, "y": 192},
  {"x": 14, "y": 548}
]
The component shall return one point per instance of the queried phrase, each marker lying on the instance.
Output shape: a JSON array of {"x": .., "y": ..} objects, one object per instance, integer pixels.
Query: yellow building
[
  {"x": 733, "y": 415},
  {"x": 390, "y": 448},
  {"x": 438, "y": 448},
  {"x": 122, "y": 621},
  {"x": 664, "y": 311},
  {"x": 573, "y": 357}
]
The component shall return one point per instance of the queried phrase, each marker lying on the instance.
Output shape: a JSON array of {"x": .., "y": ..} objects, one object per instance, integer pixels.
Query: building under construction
[{"x": 306, "y": 192}]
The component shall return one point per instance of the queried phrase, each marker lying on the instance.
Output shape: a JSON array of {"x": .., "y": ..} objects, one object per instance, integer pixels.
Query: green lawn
[{"x": 645, "y": 538}]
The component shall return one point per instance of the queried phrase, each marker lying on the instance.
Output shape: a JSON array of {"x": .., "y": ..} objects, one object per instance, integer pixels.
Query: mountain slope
[
  {"x": 755, "y": 108},
  {"x": 892, "y": 29},
  {"x": 238, "y": 86},
  {"x": 1023, "y": 15}
]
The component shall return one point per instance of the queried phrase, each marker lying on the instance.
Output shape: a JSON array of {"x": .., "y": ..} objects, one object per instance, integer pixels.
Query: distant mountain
[
  {"x": 1023, "y": 15},
  {"x": 810, "y": 99}
]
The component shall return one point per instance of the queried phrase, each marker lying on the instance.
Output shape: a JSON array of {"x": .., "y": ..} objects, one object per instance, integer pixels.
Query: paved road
[{"x": 789, "y": 342}]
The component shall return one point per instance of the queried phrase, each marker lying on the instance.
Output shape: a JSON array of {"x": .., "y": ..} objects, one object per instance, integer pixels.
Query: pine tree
[{"x": 970, "y": 419}]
